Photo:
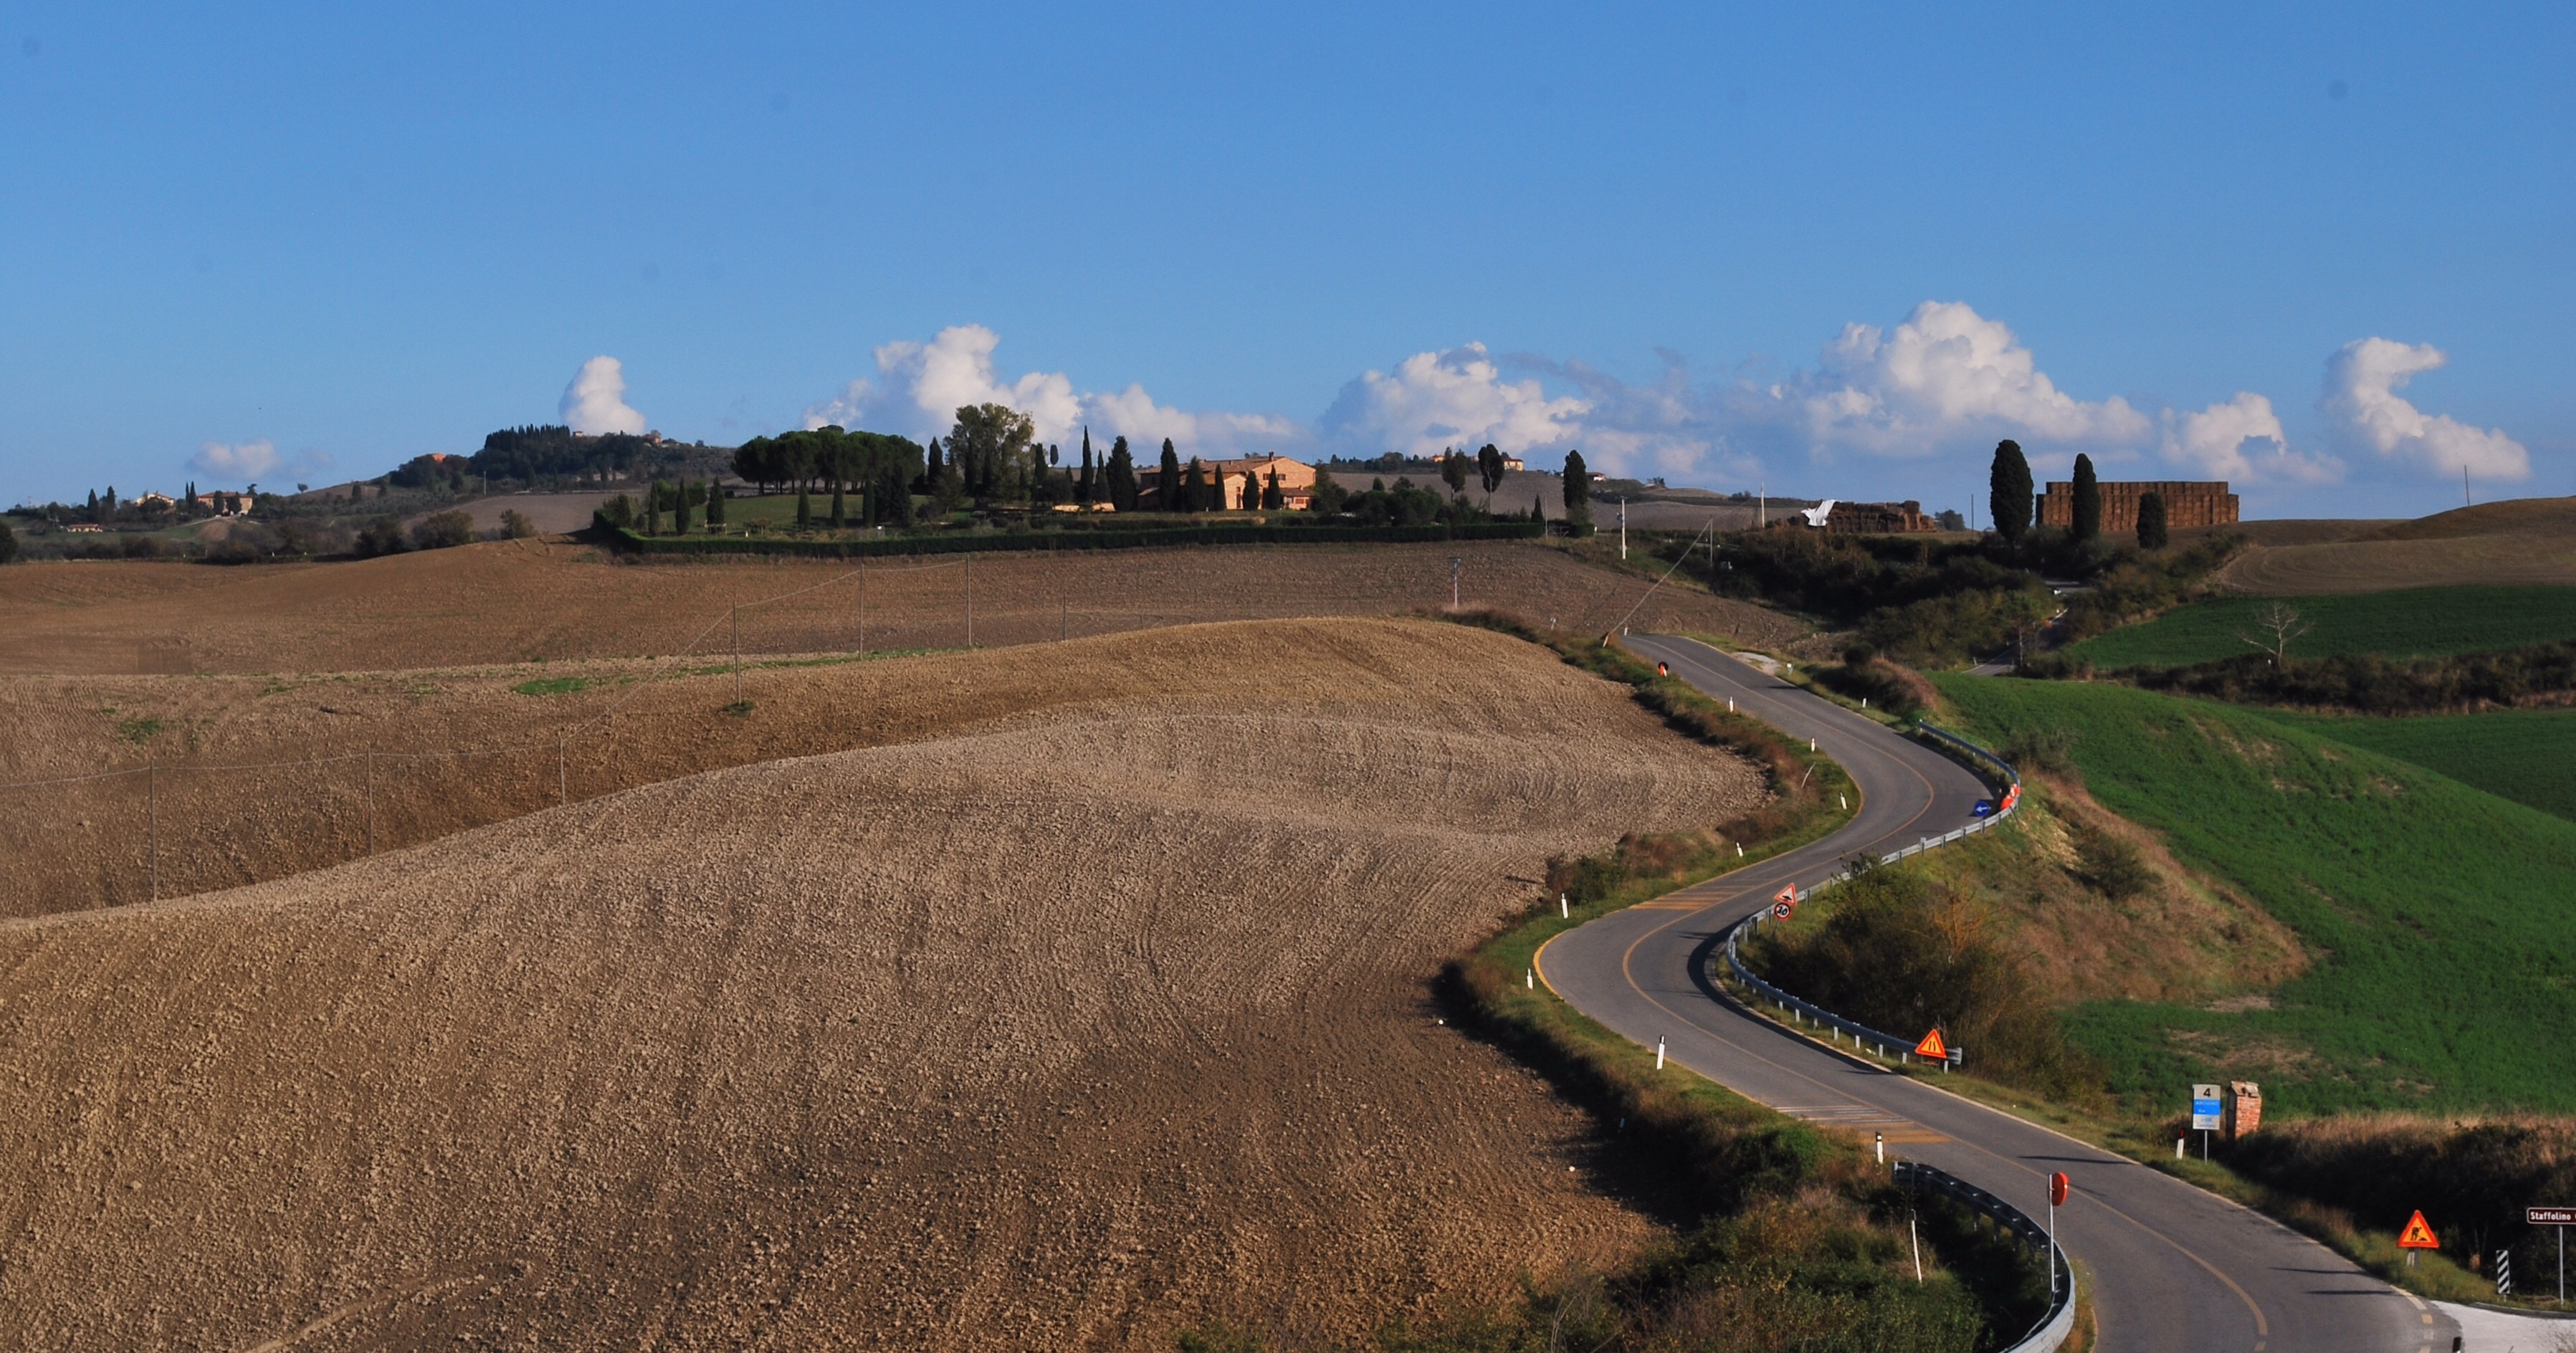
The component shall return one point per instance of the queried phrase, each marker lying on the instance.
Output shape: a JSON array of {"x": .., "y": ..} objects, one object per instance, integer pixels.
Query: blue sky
[{"x": 2326, "y": 251}]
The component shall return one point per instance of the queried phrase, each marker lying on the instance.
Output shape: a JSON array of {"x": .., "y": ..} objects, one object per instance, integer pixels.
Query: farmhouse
[
  {"x": 1296, "y": 481},
  {"x": 2188, "y": 502}
]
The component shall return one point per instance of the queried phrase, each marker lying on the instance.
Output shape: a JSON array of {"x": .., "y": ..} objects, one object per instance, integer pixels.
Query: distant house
[
  {"x": 83, "y": 526},
  {"x": 1296, "y": 481},
  {"x": 1513, "y": 464},
  {"x": 2188, "y": 502}
]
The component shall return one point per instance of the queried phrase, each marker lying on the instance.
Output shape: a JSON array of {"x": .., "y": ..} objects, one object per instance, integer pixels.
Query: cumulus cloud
[
  {"x": 244, "y": 461},
  {"x": 1435, "y": 400},
  {"x": 595, "y": 402},
  {"x": 2362, "y": 404},
  {"x": 1946, "y": 374},
  {"x": 919, "y": 387},
  {"x": 2241, "y": 440}
]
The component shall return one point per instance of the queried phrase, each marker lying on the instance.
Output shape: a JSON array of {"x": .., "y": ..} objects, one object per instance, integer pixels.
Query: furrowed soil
[
  {"x": 525, "y": 600},
  {"x": 1043, "y": 1024}
]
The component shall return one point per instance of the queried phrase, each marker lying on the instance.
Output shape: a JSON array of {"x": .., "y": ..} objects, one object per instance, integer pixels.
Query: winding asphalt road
[{"x": 2174, "y": 1268}]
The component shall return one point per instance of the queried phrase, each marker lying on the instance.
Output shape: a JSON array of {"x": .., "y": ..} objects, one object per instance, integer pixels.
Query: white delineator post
[
  {"x": 1659, "y": 1052},
  {"x": 1564, "y": 909}
]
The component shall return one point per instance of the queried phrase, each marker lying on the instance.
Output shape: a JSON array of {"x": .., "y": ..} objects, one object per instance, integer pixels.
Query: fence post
[
  {"x": 152, "y": 796},
  {"x": 370, "y": 800}
]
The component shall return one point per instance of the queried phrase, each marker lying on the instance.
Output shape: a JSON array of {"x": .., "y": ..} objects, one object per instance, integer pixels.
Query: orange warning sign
[
  {"x": 2417, "y": 1235},
  {"x": 1933, "y": 1047}
]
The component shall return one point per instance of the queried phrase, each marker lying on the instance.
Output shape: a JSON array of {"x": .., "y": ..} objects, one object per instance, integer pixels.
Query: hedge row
[{"x": 1126, "y": 539}]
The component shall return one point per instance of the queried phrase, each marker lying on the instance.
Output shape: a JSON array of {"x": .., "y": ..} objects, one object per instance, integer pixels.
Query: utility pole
[
  {"x": 1453, "y": 582},
  {"x": 1761, "y": 506},
  {"x": 2464, "y": 485},
  {"x": 1623, "y": 529},
  {"x": 152, "y": 792},
  {"x": 737, "y": 657},
  {"x": 970, "y": 601}
]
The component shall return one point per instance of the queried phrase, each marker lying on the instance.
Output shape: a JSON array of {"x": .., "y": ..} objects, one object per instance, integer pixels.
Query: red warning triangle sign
[
  {"x": 1788, "y": 893},
  {"x": 2418, "y": 1234},
  {"x": 1933, "y": 1047}
]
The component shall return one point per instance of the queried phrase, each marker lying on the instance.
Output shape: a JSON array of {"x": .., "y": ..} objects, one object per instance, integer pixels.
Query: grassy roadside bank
[{"x": 1800, "y": 1241}]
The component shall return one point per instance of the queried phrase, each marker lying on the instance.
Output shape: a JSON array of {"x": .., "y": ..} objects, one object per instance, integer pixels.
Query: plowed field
[
  {"x": 2524, "y": 540},
  {"x": 1056, "y": 1021},
  {"x": 519, "y": 601}
]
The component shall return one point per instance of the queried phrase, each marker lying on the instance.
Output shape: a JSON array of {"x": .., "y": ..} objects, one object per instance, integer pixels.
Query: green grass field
[
  {"x": 2424, "y": 622},
  {"x": 2436, "y": 914},
  {"x": 2519, "y": 754}
]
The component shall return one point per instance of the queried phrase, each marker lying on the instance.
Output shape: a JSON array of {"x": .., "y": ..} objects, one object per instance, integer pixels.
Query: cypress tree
[
  {"x": 1578, "y": 495},
  {"x": 840, "y": 512},
  {"x": 715, "y": 505},
  {"x": 1251, "y": 492},
  {"x": 1272, "y": 499},
  {"x": 2008, "y": 492},
  {"x": 2151, "y": 521},
  {"x": 1084, "y": 491},
  {"x": 2088, "y": 499},
  {"x": 680, "y": 508},
  {"x": 1168, "y": 497},
  {"x": 929, "y": 468},
  {"x": 804, "y": 509},
  {"x": 1122, "y": 476},
  {"x": 1194, "y": 487}
]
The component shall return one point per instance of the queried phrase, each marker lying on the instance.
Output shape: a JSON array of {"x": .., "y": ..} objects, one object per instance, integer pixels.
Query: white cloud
[
  {"x": 244, "y": 461},
  {"x": 2362, "y": 403},
  {"x": 595, "y": 402},
  {"x": 2215, "y": 442},
  {"x": 1946, "y": 376},
  {"x": 920, "y": 386},
  {"x": 1434, "y": 400}
]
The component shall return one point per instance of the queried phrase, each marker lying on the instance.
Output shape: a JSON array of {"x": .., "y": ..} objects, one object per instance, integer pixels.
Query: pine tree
[
  {"x": 2008, "y": 491},
  {"x": 1168, "y": 496},
  {"x": 2151, "y": 521},
  {"x": 2088, "y": 499}
]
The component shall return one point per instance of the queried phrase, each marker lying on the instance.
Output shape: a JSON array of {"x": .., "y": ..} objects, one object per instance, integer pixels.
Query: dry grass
[
  {"x": 521, "y": 601},
  {"x": 1053, "y": 1029}
]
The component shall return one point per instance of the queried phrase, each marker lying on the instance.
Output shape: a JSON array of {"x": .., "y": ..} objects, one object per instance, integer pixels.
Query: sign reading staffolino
[{"x": 2549, "y": 1216}]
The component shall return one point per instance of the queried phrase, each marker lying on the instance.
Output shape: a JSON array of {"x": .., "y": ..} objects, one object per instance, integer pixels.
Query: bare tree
[{"x": 2279, "y": 622}]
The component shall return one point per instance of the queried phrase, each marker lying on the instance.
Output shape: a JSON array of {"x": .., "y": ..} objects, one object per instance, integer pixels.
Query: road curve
[{"x": 2174, "y": 1268}]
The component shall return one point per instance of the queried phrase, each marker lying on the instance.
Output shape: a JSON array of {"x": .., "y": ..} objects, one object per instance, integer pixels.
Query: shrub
[
  {"x": 2043, "y": 748},
  {"x": 516, "y": 526},
  {"x": 443, "y": 530},
  {"x": 2115, "y": 867},
  {"x": 8, "y": 543},
  {"x": 1902, "y": 952},
  {"x": 380, "y": 537}
]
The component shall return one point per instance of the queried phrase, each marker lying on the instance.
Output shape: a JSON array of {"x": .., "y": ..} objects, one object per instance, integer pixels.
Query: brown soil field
[
  {"x": 1052, "y": 1027},
  {"x": 519, "y": 601},
  {"x": 2525, "y": 540}
]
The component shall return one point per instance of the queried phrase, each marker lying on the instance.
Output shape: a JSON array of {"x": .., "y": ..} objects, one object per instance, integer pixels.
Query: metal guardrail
[
  {"x": 2052, "y": 1329},
  {"x": 1863, "y": 1036}
]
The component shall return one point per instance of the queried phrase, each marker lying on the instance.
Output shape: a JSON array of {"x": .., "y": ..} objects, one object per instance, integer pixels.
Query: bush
[
  {"x": 8, "y": 543},
  {"x": 516, "y": 526},
  {"x": 2043, "y": 748},
  {"x": 443, "y": 530},
  {"x": 380, "y": 537},
  {"x": 1112, "y": 538},
  {"x": 1902, "y": 952},
  {"x": 2115, "y": 867}
]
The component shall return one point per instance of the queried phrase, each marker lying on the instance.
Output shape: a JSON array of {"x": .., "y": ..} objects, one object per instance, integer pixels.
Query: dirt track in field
[
  {"x": 520, "y": 601},
  {"x": 1057, "y": 1029}
]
